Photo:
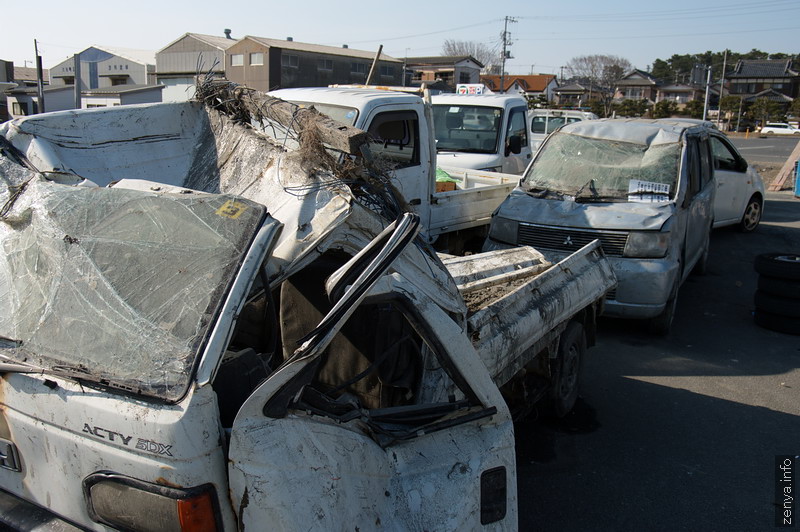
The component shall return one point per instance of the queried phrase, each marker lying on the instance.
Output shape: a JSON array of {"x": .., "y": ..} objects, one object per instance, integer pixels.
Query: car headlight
[
  {"x": 503, "y": 230},
  {"x": 130, "y": 504},
  {"x": 646, "y": 244},
  {"x": 491, "y": 169}
]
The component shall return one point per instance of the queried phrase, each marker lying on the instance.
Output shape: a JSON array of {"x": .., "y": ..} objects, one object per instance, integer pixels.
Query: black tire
[
  {"x": 752, "y": 215},
  {"x": 662, "y": 324},
  {"x": 569, "y": 368},
  {"x": 775, "y": 322},
  {"x": 780, "y": 265},
  {"x": 772, "y": 304},
  {"x": 779, "y": 287}
]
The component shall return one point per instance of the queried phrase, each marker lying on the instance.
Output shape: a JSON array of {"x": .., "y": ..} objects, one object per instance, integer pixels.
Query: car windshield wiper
[
  {"x": 543, "y": 192},
  {"x": 592, "y": 189},
  {"x": 647, "y": 193},
  {"x": 589, "y": 199}
]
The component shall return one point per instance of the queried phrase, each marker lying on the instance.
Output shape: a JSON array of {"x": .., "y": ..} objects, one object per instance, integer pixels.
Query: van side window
[
  {"x": 724, "y": 156},
  {"x": 394, "y": 138}
]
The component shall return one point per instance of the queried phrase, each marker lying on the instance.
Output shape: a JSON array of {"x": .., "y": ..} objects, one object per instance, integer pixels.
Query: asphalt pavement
[{"x": 679, "y": 432}]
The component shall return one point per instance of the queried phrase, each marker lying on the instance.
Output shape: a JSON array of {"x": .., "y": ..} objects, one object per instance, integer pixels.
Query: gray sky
[{"x": 545, "y": 36}]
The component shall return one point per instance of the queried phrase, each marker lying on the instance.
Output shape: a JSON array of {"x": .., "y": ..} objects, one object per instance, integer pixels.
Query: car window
[
  {"x": 516, "y": 125},
  {"x": 724, "y": 155},
  {"x": 394, "y": 138}
]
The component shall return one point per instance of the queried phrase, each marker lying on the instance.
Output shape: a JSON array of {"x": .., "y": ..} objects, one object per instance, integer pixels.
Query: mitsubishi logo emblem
[{"x": 568, "y": 241}]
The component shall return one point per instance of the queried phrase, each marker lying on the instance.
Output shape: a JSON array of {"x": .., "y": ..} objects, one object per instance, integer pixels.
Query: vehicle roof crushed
[{"x": 141, "y": 270}]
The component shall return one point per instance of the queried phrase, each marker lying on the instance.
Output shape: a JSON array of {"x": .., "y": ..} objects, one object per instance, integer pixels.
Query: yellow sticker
[{"x": 231, "y": 209}]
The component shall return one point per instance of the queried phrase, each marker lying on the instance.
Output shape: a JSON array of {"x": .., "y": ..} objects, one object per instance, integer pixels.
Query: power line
[{"x": 659, "y": 36}]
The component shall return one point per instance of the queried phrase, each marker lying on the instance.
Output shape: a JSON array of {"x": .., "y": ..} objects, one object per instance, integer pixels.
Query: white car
[
  {"x": 739, "y": 198},
  {"x": 776, "y": 128}
]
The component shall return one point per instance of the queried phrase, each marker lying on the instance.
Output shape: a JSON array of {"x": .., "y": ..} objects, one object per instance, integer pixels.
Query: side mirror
[{"x": 514, "y": 145}]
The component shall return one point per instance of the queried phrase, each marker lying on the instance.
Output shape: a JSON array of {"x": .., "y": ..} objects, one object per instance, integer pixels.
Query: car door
[
  {"x": 698, "y": 200},
  {"x": 733, "y": 184},
  {"x": 352, "y": 430},
  {"x": 516, "y": 163}
]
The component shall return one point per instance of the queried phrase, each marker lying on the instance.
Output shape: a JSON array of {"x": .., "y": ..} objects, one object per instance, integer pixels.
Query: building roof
[
  {"x": 763, "y": 68},
  {"x": 579, "y": 88},
  {"x": 119, "y": 89},
  {"x": 319, "y": 48},
  {"x": 96, "y": 53},
  {"x": 440, "y": 60},
  {"x": 222, "y": 43},
  {"x": 531, "y": 83},
  {"x": 771, "y": 95},
  {"x": 29, "y": 74},
  {"x": 33, "y": 90},
  {"x": 637, "y": 77}
]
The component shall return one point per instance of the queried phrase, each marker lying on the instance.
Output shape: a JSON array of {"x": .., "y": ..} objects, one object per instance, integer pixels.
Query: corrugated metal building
[
  {"x": 180, "y": 61},
  {"x": 268, "y": 64}
]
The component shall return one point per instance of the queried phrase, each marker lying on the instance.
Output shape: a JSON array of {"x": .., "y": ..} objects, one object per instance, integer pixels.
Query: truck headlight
[
  {"x": 504, "y": 230},
  {"x": 646, "y": 245},
  {"x": 130, "y": 504}
]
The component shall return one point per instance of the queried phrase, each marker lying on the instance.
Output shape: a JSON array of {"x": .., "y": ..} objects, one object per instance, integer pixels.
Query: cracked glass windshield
[
  {"x": 115, "y": 286},
  {"x": 591, "y": 169}
]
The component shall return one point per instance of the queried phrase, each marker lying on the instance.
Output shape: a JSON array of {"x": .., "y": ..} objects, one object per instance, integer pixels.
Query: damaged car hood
[{"x": 523, "y": 207}]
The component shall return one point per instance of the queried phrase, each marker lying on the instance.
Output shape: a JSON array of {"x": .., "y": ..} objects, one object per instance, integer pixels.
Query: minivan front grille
[{"x": 570, "y": 239}]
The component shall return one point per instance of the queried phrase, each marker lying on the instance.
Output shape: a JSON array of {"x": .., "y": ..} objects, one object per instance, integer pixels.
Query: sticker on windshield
[
  {"x": 231, "y": 209},
  {"x": 647, "y": 191}
]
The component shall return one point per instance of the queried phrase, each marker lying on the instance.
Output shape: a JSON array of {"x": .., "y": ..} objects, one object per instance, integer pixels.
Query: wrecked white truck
[{"x": 269, "y": 349}]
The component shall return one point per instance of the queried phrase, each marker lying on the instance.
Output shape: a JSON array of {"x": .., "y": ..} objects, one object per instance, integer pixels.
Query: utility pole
[
  {"x": 39, "y": 77},
  {"x": 722, "y": 86},
  {"x": 708, "y": 85},
  {"x": 77, "y": 86},
  {"x": 506, "y": 54}
]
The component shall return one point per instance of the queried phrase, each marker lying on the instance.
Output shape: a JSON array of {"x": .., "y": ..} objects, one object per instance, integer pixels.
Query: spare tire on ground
[{"x": 779, "y": 265}]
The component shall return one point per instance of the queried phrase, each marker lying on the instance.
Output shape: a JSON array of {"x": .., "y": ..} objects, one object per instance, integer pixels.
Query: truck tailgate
[{"x": 516, "y": 300}]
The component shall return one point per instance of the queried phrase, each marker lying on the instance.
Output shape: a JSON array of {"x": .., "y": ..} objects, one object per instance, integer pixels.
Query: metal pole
[
  {"x": 708, "y": 85},
  {"x": 39, "y": 76},
  {"x": 77, "y": 86},
  {"x": 722, "y": 85}
]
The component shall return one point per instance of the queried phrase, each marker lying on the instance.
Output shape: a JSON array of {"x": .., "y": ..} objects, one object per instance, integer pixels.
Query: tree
[
  {"x": 631, "y": 108},
  {"x": 603, "y": 71},
  {"x": 483, "y": 53},
  {"x": 665, "y": 109},
  {"x": 763, "y": 110},
  {"x": 794, "y": 109},
  {"x": 694, "y": 108}
]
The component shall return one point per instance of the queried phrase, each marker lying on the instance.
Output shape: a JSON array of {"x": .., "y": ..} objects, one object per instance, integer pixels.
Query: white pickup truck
[
  {"x": 455, "y": 212},
  {"x": 276, "y": 355}
]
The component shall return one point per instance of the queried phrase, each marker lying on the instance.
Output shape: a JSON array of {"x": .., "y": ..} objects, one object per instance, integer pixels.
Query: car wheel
[
  {"x": 768, "y": 133},
  {"x": 780, "y": 265},
  {"x": 661, "y": 324},
  {"x": 752, "y": 215},
  {"x": 566, "y": 385},
  {"x": 779, "y": 287},
  {"x": 776, "y": 322}
]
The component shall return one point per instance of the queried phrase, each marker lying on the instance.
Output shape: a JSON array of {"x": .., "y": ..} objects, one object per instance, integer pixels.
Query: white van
[{"x": 545, "y": 121}]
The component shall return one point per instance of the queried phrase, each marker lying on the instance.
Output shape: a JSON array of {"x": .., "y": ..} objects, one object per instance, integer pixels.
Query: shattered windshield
[
  {"x": 467, "y": 128},
  {"x": 591, "y": 169},
  {"x": 116, "y": 286}
]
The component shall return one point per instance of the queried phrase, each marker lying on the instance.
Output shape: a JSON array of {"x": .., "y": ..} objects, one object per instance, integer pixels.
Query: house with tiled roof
[
  {"x": 637, "y": 85},
  {"x": 267, "y": 64},
  {"x": 452, "y": 70},
  {"x": 532, "y": 86},
  {"x": 578, "y": 94},
  {"x": 192, "y": 54},
  {"x": 753, "y": 76},
  {"x": 679, "y": 93}
]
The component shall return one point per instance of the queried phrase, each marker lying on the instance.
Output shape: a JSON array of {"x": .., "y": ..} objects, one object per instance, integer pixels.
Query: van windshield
[
  {"x": 595, "y": 169},
  {"x": 118, "y": 287},
  {"x": 467, "y": 128}
]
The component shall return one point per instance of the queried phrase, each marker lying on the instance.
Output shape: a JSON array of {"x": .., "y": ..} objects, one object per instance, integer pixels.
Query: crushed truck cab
[{"x": 252, "y": 339}]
